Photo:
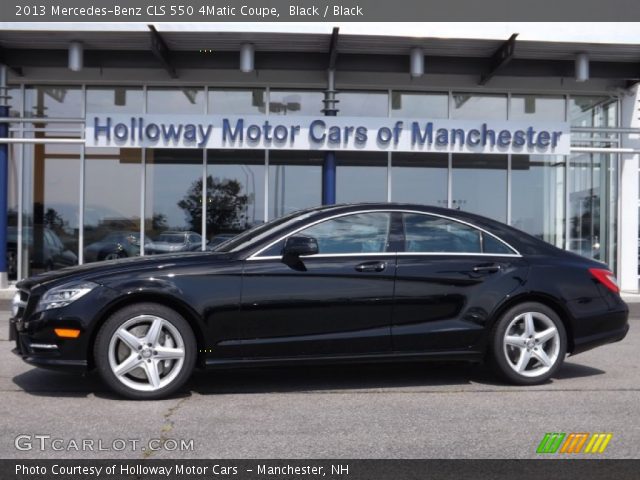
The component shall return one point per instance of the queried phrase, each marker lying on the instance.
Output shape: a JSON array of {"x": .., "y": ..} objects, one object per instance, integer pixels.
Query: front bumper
[
  {"x": 43, "y": 351},
  {"x": 37, "y": 343}
]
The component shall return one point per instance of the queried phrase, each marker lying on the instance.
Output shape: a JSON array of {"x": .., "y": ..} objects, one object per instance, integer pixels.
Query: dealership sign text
[{"x": 326, "y": 133}]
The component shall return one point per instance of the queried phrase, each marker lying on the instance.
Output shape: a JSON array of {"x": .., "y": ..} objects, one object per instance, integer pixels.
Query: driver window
[{"x": 357, "y": 233}]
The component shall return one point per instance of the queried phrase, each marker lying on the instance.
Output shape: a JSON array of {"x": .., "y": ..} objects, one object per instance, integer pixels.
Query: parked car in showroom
[
  {"x": 330, "y": 284},
  {"x": 50, "y": 254},
  {"x": 219, "y": 239},
  {"x": 171, "y": 242},
  {"x": 113, "y": 246}
]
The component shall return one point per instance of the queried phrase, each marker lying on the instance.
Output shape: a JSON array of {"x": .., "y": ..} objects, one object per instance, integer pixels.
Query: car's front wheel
[
  {"x": 529, "y": 343},
  {"x": 145, "y": 351}
]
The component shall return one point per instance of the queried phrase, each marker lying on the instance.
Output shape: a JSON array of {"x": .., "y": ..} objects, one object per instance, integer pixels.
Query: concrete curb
[
  {"x": 7, "y": 293},
  {"x": 631, "y": 297}
]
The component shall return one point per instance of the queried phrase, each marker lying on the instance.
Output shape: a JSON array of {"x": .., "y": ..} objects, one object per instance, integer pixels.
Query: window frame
[{"x": 256, "y": 255}]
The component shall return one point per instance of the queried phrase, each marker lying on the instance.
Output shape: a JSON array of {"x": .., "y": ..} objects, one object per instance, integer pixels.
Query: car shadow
[
  {"x": 50, "y": 383},
  {"x": 576, "y": 370},
  {"x": 292, "y": 379},
  {"x": 335, "y": 377}
]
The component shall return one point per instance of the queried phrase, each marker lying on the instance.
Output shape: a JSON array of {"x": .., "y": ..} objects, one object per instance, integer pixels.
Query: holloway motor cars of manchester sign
[{"x": 326, "y": 133}]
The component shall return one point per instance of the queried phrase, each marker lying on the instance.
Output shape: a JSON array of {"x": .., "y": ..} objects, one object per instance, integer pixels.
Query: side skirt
[{"x": 468, "y": 356}]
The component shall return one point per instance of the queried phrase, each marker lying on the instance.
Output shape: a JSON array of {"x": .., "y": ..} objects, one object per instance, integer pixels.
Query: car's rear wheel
[
  {"x": 114, "y": 256},
  {"x": 145, "y": 351},
  {"x": 529, "y": 343}
]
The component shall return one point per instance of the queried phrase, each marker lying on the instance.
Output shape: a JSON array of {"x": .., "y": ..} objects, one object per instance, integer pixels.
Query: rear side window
[
  {"x": 493, "y": 245},
  {"x": 430, "y": 234}
]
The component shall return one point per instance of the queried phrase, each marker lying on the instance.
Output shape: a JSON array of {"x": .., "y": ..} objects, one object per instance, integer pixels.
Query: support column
[
  {"x": 628, "y": 196},
  {"x": 329, "y": 165},
  {"x": 329, "y": 178},
  {"x": 4, "y": 178}
]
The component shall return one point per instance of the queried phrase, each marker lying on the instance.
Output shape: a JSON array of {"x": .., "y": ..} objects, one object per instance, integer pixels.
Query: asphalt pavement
[{"x": 402, "y": 410}]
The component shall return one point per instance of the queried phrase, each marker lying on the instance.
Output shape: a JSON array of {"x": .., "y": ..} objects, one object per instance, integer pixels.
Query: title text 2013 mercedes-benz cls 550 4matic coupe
[{"x": 336, "y": 283}]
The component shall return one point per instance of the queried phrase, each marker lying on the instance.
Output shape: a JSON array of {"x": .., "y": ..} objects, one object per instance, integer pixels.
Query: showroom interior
[{"x": 66, "y": 201}]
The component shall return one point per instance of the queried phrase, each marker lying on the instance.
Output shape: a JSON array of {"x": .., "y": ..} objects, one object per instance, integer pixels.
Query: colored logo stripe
[
  {"x": 574, "y": 442},
  {"x": 550, "y": 443},
  {"x": 598, "y": 443}
]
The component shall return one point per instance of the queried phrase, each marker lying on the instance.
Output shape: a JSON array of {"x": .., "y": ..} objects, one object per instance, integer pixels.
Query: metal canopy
[
  {"x": 500, "y": 59},
  {"x": 128, "y": 49},
  {"x": 333, "y": 48},
  {"x": 161, "y": 51}
]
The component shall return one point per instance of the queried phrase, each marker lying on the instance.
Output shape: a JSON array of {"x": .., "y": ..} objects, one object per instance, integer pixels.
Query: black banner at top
[{"x": 317, "y": 10}]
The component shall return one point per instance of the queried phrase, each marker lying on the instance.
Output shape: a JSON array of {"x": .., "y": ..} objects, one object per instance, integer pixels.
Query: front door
[{"x": 336, "y": 302}]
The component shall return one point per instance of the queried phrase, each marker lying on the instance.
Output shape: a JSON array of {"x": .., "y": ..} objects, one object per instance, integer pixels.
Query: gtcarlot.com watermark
[{"x": 43, "y": 442}]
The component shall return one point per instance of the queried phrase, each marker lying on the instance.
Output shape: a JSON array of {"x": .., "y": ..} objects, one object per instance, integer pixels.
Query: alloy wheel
[
  {"x": 146, "y": 353},
  {"x": 531, "y": 344}
]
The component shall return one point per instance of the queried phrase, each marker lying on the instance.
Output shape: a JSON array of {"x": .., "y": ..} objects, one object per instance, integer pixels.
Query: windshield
[{"x": 256, "y": 234}]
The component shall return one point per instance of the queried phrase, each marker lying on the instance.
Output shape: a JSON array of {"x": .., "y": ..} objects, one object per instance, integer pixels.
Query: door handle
[
  {"x": 371, "y": 267},
  {"x": 487, "y": 268}
]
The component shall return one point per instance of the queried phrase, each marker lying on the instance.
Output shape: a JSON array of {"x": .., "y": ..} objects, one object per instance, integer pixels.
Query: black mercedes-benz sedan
[{"x": 330, "y": 284}]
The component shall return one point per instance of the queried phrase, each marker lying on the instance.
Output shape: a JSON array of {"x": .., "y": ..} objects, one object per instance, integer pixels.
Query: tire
[
  {"x": 528, "y": 344},
  {"x": 163, "y": 360},
  {"x": 114, "y": 256}
]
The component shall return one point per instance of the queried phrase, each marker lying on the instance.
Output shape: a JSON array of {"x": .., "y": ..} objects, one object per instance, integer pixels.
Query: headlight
[{"x": 64, "y": 295}]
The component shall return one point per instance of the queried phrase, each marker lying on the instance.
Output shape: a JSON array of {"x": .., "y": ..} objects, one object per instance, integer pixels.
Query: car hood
[{"x": 95, "y": 271}]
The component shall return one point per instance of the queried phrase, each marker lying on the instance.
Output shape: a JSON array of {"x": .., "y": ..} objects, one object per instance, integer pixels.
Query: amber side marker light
[
  {"x": 67, "y": 332},
  {"x": 606, "y": 278}
]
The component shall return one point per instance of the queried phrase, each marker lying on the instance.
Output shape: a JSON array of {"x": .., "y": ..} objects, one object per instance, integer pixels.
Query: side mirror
[{"x": 298, "y": 246}]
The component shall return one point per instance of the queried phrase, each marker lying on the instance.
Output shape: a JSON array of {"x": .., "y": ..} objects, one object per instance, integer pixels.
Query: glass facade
[
  {"x": 235, "y": 192},
  {"x": 295, "y": 102},
  {"x": 420, "y": 178},
  {"x": 80, "y": 205},
  {"x": 111, "y": 203},
  {"x": 467, "y": 106},
  {"x": 294, "y": 178},
  {"x": 419, "y": 105},
  {"x": 592, "y": 180},
  {"x": 51, "y": 200},
  {"x": 13, "y": 190},
  {"x": 539, "y": 177},
  {"x": 361, "y": 177},
  {"x": 479, "y": 185},
  {"x": 173, "y": 193}
]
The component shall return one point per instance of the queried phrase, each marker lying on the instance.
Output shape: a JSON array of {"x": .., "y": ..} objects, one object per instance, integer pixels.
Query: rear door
[{"x": 450, "y": 276}]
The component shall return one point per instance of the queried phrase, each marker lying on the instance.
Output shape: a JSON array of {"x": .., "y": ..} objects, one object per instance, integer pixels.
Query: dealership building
[{"x": 113, "y": 136}]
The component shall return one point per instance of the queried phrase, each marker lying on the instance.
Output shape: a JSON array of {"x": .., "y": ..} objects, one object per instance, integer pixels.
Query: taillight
[{"x": 606, "y": 278}]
